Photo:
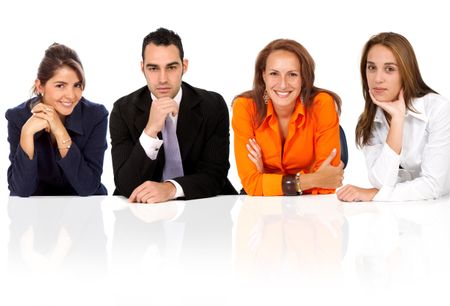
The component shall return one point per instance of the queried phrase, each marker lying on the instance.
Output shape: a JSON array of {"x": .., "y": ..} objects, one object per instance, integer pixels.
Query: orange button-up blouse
[{"x": 311, "y": 138}]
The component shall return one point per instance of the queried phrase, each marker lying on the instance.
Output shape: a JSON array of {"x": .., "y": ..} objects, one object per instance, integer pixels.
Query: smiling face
[
  {"x": 63, "y": 91},
  {"x": 163, "y": 69},
  {"x": 383, "y": 75},
  {"x": 282, "y": 78}
]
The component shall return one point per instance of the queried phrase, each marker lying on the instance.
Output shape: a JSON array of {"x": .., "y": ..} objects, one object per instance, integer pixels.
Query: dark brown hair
[
  {"x": 307, "y": 66},
  {"x": 56, "y": 57},
  {"x": 412, "y": 82}
]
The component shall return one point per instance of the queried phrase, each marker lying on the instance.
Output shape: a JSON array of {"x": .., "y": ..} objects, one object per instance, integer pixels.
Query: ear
[
  {"x": 142, "y": 66},
  {"x": 185, "y": 65},
  {"x": 38, "y": 86}
]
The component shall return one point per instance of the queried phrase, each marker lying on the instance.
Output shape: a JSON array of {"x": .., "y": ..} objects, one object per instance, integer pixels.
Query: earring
[{"x": 266, "y": 97}]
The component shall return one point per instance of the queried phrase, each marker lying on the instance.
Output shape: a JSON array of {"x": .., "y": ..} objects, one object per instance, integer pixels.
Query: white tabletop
[{"x": 227, "y": 250}]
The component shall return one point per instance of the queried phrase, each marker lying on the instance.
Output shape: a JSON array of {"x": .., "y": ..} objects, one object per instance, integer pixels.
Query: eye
[
  {"x": 293, "y": 74},
  {"x": 152, "y": 68},
  {"x": 172, "y": 67},
  {"x": 273, "y": 73},
  {"x": 78, "y": 85},
  {"x": 391, "y": 68},
  {"x": 59, "y": 85},
  {"x": 371, "y": 67}
]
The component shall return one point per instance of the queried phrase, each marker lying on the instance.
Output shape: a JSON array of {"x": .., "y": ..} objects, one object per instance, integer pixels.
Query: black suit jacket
[{"x": 203, "y": 137}]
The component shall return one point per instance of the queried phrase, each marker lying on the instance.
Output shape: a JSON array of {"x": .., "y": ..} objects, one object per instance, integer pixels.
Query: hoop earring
[{"x": 265, "y": 97}]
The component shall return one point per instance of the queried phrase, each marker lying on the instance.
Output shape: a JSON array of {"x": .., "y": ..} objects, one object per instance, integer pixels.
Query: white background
[{"x": 221, "y": 41}]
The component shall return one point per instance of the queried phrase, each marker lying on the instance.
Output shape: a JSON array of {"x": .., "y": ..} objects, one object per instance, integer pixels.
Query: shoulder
[
  {"x": 323, "y": 98},
  {"x": 202, "y": 95},
  {"x": 93, "y": 108},
  {"x": 324, "y": 103},
  {"x": 433, "y": 105},
  {"x": 20, "y": 113},
  {"x": 133, "y": 98},
  {"x": 243, "y": 104}
]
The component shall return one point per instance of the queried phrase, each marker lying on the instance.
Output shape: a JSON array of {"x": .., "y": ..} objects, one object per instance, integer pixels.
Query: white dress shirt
[
  {"x": 424, "y": 158},
  {"x": 152, "y": 145}
]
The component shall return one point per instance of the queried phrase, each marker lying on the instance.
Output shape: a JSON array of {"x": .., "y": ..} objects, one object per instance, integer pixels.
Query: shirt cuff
[
  {"x": 179, "y": 190},
  {"x": 383, "y": 194},
  {"x": 386, "y": 171},
  {"x": 150, "y": 145}
]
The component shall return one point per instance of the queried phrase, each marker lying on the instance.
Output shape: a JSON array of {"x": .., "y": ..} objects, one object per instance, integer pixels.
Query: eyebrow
[
  {"x": 168, "y": 65},
  {"x": 389, "y": 63}
]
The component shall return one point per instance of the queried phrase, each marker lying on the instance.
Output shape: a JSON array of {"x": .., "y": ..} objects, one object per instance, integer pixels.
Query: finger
[
  {"x": 252, "y": 151},
  {"x": 330, "y": 157},
  {"x": 253, "y": 159},
  {"x": 133, "y": 195},
  {"x": 255, "y": 144},
  {"x": 373, "y": 98}
]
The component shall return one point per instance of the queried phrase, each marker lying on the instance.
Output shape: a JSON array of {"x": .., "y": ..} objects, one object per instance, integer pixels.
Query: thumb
[{"x": 330, "y": 157}]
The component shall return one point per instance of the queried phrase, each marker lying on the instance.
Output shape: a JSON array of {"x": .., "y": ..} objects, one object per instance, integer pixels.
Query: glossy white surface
[{"x": 229, "y": 250}]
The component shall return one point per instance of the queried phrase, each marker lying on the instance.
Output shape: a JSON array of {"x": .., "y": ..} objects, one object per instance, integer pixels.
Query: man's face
[{"x": 163, "y": 70}]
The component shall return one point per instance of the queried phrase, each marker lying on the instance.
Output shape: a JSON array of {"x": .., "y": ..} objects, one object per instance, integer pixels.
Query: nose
[
  {"x": 163, "y": 76},
  {"x": 283, "y": 82},
  {"x": 70, "y": 92},
  {"x": 379, "y": 76}
]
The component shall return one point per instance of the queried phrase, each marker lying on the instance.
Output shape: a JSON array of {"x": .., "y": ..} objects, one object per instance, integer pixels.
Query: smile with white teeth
[
  {"x": 66, "y": 103},
  {"x": 282, "y": 94}
]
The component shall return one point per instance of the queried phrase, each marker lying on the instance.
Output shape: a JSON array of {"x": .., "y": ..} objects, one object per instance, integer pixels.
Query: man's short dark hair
[{"x": 163, "y": 37}]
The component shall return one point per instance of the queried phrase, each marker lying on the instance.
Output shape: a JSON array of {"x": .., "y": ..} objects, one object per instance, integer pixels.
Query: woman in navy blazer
[{"x": 57, "y": 138}]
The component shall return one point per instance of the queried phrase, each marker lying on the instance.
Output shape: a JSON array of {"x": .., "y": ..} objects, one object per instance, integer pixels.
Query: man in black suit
[{"x": 138, "y": 120}]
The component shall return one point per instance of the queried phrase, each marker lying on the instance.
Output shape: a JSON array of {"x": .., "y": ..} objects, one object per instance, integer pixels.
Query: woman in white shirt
[{"x": 404, "y": 129}]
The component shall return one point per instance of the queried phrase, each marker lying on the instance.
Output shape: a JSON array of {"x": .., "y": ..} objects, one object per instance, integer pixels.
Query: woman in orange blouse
[{"x": 286, "y": 130}]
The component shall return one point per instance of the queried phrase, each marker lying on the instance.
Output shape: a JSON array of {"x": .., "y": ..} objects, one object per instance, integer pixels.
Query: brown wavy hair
[
  {"x": 412, "y": 82},
  {"x": 307, "y": 66}
]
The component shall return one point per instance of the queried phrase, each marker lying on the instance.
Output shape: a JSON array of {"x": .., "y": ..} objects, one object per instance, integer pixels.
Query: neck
[{"x": 285, "y": 111}]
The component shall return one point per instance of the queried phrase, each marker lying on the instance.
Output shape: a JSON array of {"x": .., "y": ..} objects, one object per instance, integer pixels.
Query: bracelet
[
  {"x": 288, "y": 185},
  {"x": 297, "y": 184},
  {"x": 64, "y": 142}
]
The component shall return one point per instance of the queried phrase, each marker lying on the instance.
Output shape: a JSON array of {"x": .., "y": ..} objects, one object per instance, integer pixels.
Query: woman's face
[
  {"x": 383, "y": 75},
  {"x": 63, "y": 91},
  {"x": 282, "y": 78}
]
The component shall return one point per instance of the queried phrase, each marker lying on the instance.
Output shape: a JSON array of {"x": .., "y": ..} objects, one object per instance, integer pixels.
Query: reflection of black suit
[{"x": 203, "y": 136}]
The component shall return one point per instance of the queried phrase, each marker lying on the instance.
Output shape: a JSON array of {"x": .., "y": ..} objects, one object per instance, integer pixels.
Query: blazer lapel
[
  {"x": 189, "y": 120},
  {"x": 142, "y": 102}
]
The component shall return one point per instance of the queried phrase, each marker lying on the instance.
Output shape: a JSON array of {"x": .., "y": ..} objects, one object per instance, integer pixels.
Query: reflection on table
[
  {"x": 238, "y": 250},
  {"x": 56, "y": 234}
]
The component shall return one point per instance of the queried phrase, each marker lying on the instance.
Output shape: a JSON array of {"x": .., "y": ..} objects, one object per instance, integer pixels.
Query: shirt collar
[
  {"x": 177, "y": 97},
  {"x": 419, "y": 111},
  {"x": 271, "y": 119}
]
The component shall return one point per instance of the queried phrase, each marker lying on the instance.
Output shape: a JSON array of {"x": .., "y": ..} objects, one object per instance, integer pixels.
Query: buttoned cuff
[
  {"x": 272, "y": 184},
  {"x": 150, "y": 145},
  {"x": 179, "y": 190}
]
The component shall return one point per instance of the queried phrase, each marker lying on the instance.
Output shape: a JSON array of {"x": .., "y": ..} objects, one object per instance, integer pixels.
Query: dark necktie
[{"x": 173, "y": 166}]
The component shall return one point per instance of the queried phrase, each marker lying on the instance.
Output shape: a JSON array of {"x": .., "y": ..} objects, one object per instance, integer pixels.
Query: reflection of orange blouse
[{"x": 311, "y": 138}]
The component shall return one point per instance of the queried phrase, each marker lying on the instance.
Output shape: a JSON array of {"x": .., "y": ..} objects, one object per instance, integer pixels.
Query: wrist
[{"x": 151, "y": 132}]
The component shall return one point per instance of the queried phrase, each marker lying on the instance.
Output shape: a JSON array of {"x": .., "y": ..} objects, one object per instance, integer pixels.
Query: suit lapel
[
  {"x": 189, "y": 120},
  {"x": 142, "y": 102}
]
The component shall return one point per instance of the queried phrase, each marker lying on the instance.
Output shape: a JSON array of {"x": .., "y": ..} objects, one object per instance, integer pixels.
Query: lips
[
  {"x": 66, "y": 103},
  {"x": 282, "y": 94},
  {"x": 163, "y": 89}
]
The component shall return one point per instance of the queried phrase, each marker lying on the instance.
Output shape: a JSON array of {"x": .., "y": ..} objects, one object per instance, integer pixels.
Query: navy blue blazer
[{"x": 79, "y": 173}]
